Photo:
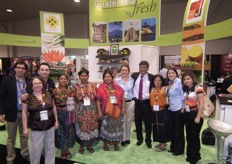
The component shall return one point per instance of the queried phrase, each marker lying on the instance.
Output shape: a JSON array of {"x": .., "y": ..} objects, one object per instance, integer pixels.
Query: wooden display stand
[
  {"x": 137, "y": 54},
  {"x": 207, "y": 67},
  {"x": 56, "y": 71}
]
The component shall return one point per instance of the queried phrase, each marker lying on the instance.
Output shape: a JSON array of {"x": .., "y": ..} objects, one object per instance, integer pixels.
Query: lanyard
[
  {"x": 169, "y": 87},
  {"x": 126, "y": 86},
  {"x": 84, "y": 89},
  {"x": 186, "y": 97},
  {"x": 42, "y": 102},
  {"x": 156, "y": 95},
  {"x": 22, "y": 90},
  {"x": 110, "y": 90},
  {"x": 47, "y": 87}
]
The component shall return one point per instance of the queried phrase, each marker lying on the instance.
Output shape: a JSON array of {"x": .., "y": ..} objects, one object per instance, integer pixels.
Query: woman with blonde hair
[{"x": 127, "y": 84}]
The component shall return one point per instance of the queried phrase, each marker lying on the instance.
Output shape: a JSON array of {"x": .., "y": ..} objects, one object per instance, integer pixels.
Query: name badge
[
  {"x": 86, "y": 101},
  {"x": 167, "y": 101},
  {"x": 20, "y": 101},
  {"x": 155, "y": 107},
  {"x": 113, "y": 100},
  {"x": 186, "y": 108},
  {"x": 125, "y": 94},
  {"x": 43, "y": 115}
]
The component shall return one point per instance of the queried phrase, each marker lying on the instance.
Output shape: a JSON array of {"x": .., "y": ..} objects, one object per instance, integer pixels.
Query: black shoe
[
  {"x": 139, "y": 143},
  {"x": 27, "y": 158},
  {"x": 128, "y": 142},
  {"x": 170, "y": 151},
  {"x": 192, "y": 162},
  {"x": 177, "y": 153},
  {"x": 198, "y": 158},
  {"x": 149, "y": 146},
  {"x": 123, "y": 143}
]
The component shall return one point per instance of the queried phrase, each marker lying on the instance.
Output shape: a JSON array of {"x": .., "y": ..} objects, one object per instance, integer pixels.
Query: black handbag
[
  {"x": 229, "y": 157},
  {"x": 207, "y": 137}
]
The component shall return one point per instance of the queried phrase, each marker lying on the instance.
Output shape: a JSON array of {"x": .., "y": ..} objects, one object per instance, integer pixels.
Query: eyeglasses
[
  {"x": 22, "y": 68},
  {"x": 36, "y": 83},
  {"x": 46, "y": 70}
]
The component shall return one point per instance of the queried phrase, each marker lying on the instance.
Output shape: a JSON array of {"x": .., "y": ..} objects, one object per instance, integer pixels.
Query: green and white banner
[
  {"x": 193, "y": 35},
  {"x": 124, "y": 21},
  {"x": 52, "y": 38}
]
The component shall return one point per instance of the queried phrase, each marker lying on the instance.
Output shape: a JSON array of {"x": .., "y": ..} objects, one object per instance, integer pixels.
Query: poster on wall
[
  {"x": 52, "y": 38},
  {"x": 124, "y": 21},
  {"x": 115, "y": 32},
  {"x": 193, "y": 41},
  {"x": 195, "y": 11}
]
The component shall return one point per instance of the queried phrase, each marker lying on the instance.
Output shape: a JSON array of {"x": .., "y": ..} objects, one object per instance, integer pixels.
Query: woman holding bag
[
  {"x": 111, "y": 130},
  {"x": 194, "y": 100}
]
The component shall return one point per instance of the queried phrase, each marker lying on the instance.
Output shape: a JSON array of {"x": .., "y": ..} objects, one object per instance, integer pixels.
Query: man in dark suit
[
  {"x": 143, "y": 84},
  {"x": 11, "y": 108}
]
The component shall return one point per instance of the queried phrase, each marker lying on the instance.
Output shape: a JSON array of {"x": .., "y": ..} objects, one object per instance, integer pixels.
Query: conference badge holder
[
  {"x": 186, "y": 108},
  {"x": 155, "y": 107},
  {"x": 113, "y": 100},
  {"x": 43, "y": 115},
  {"x": 86, "y": 101}
]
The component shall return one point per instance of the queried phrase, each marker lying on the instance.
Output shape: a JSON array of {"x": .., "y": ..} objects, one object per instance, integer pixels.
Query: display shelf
[
  {"x": 111, "y": 56},
  {"x": 110, "y": 63},
  {"x": 207, "y": 67}
]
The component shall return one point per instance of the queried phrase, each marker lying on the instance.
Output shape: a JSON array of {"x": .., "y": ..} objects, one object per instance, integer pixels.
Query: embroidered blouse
[
  {"x": 158, "y": 96},
  {"x": 60, "y": 96},
  {"x": 85, "y": 90}
]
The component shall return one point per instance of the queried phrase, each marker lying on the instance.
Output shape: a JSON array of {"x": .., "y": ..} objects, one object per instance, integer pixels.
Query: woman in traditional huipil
[
  {"x": 160, "y": 114},
  {"x": 64, "y": 101},
  {"x": 86, "y": 112},
  {"x": 111, "y": 130}
]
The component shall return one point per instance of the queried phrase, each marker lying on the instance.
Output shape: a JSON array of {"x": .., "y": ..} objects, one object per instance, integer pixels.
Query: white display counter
[{"x": 224, "y": 113}]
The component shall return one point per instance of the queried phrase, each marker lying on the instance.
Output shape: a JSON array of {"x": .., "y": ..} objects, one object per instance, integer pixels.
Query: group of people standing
[{"x": 78, "y": 112}]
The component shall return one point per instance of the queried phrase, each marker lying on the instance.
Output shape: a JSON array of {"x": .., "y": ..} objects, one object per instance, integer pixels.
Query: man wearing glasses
[{"x": 11, "y": 110}]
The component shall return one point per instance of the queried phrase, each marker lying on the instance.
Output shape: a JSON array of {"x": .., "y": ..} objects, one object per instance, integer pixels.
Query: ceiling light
[
  {"x": 76, "y": 0},
  {"x": 9, "y": 10}
]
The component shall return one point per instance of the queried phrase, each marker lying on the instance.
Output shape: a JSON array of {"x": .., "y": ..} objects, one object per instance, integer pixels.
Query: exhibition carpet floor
[{"x": 130, "y": 154}]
